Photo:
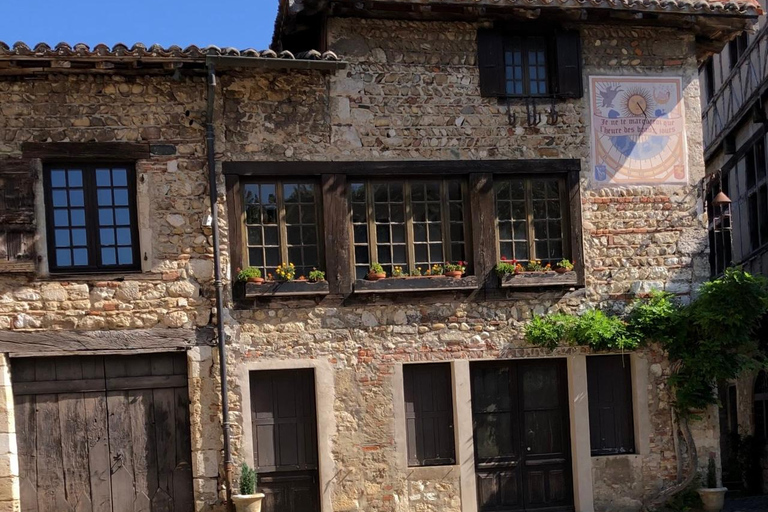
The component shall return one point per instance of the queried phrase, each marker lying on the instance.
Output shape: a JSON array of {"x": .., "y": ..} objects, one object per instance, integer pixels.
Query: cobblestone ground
[{"x": 751, "y": 503}]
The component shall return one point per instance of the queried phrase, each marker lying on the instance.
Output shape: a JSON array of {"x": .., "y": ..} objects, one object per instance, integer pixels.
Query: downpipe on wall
[{"x": 210, "y": 142}]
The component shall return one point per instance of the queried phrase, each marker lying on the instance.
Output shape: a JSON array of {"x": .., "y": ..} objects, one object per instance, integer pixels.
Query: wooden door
[
  {"x": 103, "y": 434},
  {"x": 284, "y": 422},
  {"x": 521, "y": 433}
]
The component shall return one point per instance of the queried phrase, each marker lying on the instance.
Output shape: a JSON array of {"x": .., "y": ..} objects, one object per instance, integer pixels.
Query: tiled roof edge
[{"x": 81, "y": 50}]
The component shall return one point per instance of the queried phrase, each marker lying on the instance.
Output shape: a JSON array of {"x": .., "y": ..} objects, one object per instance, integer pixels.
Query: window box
[
  {"x": 285, "y": 288},
  {"x": 526, "y": 279},
  {"x": 416, "y": 284}
]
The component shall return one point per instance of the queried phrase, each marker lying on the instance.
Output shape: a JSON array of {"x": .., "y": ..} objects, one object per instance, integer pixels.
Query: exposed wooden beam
[
  {"x": 58, "y": 343},
  {"x": 113, "y": 151}
]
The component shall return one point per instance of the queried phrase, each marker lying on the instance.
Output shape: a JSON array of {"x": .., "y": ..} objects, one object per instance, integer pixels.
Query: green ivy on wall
[{"x": 711, "y": 339}]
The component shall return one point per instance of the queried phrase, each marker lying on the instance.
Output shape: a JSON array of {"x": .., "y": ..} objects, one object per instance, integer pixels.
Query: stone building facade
[{"x": 402, "y": 100}]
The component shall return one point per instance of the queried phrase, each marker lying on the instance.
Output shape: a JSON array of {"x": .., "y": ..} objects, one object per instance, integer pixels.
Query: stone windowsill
[
  {"x": 137, "y": 275},
  {"x": 285, "y": 289},
  {"x": 530, "y": 279},
  {"x": 416, "y": 284}
]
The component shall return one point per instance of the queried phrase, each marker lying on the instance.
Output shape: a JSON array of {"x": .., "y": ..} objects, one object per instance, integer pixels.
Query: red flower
[{"x": 503, "y": 258}]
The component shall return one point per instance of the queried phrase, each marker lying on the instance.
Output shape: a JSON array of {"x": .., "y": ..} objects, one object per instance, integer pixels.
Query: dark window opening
[
  {"x": 611, "y": 425},
  {"x": 719, "y": 228},
  {"x": 754, "y": 165},
  {"x": 709, "y": 79},
  {"x": 91, "y": 211},
  {"x": 736, "y": 48},
  {"x": 532, "y": 215},
  {"x": 429, "y": 414},
  {"x": 411, "y": 224},
  {"x": 282, "y": 226},
  {"x": 516, "y": 63}
]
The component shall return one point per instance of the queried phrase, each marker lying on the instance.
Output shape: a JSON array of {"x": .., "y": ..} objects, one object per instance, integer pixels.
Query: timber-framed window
[
  {"x": 525, "y": 62},
  {"x": 411, "y": 224},
  {"x": 91, "y": 216},
  {"x": 282, "y": 224},
  {"x": 532, "y": 215},
  {"x": 754, "y": 164}
]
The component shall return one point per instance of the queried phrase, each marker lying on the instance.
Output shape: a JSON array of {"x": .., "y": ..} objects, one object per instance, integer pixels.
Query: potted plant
[
  {"x": 376, "y": 272},
  {"x": 435, "y": 271},
  {"x": 712, "y": 496},
  {"x": 455, "y": 270},
  {"x": 416, "y": 272},
  {"x": 564, "y": 266},
  {"x": 316, "y": 276},
  {"x": 534, "y": 266},
  {"x": 248, "y": 500},
  {"x": 398, "y": 271},
  {"x": 286, "y": 271},
  {"x": 251, "y": 275}
]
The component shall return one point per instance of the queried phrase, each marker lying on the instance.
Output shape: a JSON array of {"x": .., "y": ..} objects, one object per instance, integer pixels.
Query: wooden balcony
[{"x": 747, "y": 82}]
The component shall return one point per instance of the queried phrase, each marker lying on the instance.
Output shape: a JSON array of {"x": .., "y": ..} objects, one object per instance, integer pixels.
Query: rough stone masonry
[{"x": 410, "y": 92}]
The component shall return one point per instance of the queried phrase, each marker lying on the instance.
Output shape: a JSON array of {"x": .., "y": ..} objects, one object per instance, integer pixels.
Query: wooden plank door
[
  {"x": 521, "y": 436},
  {"x": 106, "y": 434},
  {"x": 284, "y": 421}
]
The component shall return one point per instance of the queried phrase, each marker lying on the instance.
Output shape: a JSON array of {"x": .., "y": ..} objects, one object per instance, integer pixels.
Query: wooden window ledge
[
  {"x": 285, "y": 289},
  {"x": 529, "y": 279},
  {"x": 416, "y": 284}
]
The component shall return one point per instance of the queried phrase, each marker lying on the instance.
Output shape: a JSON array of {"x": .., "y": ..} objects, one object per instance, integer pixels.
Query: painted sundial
[{"x": 638, "y": 131}]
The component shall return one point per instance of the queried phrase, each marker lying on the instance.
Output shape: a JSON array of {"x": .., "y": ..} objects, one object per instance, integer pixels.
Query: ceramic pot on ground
[
  {"x": 713, "y": 499},
  {"x": 248, "y": 502}
]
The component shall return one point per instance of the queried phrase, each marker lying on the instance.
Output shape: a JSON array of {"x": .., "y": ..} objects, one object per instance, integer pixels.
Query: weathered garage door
[{"x": 103, "y": 434}]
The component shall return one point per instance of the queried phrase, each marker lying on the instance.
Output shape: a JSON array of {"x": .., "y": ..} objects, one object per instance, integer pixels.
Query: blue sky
[{"x": 238, "y": 23}]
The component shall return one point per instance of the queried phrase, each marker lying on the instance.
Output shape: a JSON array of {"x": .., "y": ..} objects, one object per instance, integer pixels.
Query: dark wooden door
[
  {"x": 103, "y": 434},
  {"x": 284, "y": 422},
  {"x": 521, "y": 433}
]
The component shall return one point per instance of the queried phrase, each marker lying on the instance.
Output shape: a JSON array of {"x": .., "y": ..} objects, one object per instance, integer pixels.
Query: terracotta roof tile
[{"x": 81, "y": 50}]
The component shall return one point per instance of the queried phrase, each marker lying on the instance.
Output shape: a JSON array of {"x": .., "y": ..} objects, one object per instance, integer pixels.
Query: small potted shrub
[
  {"x": 248, "y": 500},
  {"x": 398, "y": 271},
  {"x": 534, "y": 266},
  {"x": 376, "y": 272},
  {"x": 416, "y": 272},
  {"x": 564, "y": 266},
  {"x": 455, "y": 270},
  {"x": 286, "y": 271},
  {"x": 316, "y": 276},
  {"x": 712, "y": 496},
  {"x": 250, "y": 275}
]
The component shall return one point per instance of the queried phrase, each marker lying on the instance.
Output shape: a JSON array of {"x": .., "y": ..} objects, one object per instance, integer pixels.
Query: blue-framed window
[{"x": 91, "y": 216}]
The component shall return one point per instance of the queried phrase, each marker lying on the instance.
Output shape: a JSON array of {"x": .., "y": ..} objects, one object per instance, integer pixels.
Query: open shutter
[
  {"x": 490, "y": 60},
  {"x": 568, "y": 50},
  {"x": 610, "y": 404},
  {"x": 17, "y": 215}
]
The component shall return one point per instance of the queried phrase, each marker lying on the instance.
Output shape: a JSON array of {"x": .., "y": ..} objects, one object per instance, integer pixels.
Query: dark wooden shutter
[
  {"x": 611, "y": 427},
  {"x": 17, "y": 215},
  {"x": 568, "y": 70},
  {"x": 490, "y": 60},
  {"x": 429, "y": 414}
]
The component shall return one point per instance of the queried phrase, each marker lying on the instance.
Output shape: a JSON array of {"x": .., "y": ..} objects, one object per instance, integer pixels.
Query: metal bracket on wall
[{"x": 552, "y": 116}]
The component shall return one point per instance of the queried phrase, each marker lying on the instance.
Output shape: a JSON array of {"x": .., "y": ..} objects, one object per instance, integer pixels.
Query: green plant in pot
[
  {"x": 376, "y": 272},
  {"x": 251, "y": 275},
  {"x": 712, "y": 496},
  {"x": 247, "y": 500}
]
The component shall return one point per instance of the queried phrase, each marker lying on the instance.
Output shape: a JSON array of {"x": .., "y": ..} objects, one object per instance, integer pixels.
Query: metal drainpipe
[{"x": 210, "y": 140}]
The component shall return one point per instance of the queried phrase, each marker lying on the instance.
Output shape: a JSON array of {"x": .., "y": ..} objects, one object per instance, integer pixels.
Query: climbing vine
[{"x": 711, "y": 339}]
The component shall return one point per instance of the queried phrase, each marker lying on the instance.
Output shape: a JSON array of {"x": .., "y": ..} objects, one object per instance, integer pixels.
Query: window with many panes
[
  {"x": 91, "y": 215},
  {"x": 407, "y": 223},
  {"x": 719, "y": 227},
  {"x": 525, "y": 61},
  {"x": 282, "y": 225},
  {"x": 531, "y": 217},
  {"x": 754, "y": 165}
]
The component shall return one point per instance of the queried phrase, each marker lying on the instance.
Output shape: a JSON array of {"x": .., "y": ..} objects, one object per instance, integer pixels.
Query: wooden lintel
[
  {"x": 56, "y": 343},
  {"x": 105, "y": 65},
  {"x": 21, "y": 166},
  {"x": 113, "y": 151},
  {"x": 61, "y": 64}
]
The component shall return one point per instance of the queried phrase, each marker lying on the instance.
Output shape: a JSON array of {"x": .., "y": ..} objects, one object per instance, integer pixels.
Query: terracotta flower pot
[
  {"x": 257, "y": 280},
  {"x": 454, "y": 273},
  {"x": 375, "y": 276},
  {"x": 561, "y": 270},
  {"x": 248, "y": 502},
  {"x": 713, "y": 499}
]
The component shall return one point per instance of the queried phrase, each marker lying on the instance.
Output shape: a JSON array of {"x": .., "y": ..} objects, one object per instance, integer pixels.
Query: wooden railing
[{"x": 746, "y": 82}]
